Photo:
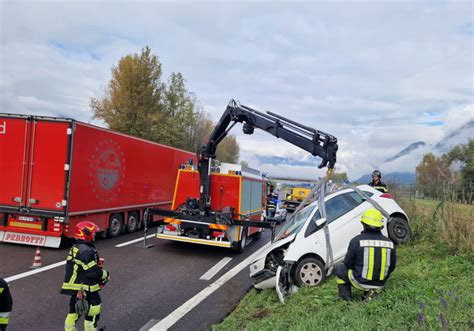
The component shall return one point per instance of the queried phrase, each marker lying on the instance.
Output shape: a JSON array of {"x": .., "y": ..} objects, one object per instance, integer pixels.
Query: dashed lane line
[
  {"x": 215, "y": 269},
  {"x": 134, "y": 241},
  {"x": 35, "y": 271}
]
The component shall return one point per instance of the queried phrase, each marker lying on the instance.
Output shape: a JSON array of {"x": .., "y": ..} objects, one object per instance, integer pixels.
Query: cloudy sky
[{"x": 379, "y": 75}]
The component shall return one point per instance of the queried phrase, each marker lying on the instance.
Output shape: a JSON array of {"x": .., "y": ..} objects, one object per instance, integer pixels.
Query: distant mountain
[
  {"x": 402, "y": 178},
  {"x": 415, "y": 151},
  {"x": 406, "y": 151},
  {"x": 459, "y": 136}
]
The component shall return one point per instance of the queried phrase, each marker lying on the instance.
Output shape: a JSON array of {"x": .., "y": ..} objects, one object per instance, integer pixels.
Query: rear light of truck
[
  {"x": 218, "y": 234},
  {"x": 54, "y": 226},
  {"x": 387, "y": 196},
  {"x": 170, "y": 228}
]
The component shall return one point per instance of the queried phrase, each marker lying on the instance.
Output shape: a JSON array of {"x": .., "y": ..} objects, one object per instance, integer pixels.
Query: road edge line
[{"x": 189, "y": 305}]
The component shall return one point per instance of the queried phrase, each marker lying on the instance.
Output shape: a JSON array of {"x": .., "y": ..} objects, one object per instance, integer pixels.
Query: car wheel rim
[
  {"x": 400, "y": 230},
  {"x": 311, "y": 274}
]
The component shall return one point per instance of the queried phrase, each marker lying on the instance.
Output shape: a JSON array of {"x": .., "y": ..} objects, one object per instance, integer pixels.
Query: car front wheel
[
  {"x": 310, "y": 272},
  {"x": 399, "y": 230}
]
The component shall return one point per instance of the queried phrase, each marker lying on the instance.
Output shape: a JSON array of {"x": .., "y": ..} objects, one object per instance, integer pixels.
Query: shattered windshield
[{"x": 295, "y": 223}]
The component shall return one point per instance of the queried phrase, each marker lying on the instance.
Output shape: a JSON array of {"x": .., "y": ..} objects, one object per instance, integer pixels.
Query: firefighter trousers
[
  {"x": 92, "y": 316},
  {"x": 345, "y": 284}
]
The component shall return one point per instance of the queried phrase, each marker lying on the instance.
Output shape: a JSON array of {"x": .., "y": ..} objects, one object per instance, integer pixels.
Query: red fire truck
[
  {"x": 57, "y": 172},
  {"x": 232, "y": 186}
]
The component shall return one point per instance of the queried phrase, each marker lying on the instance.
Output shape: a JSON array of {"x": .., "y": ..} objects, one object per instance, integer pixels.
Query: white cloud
[{"x": 369, "y": 73}]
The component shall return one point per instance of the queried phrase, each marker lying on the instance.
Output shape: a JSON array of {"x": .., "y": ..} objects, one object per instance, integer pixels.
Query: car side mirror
[{"x": 320, "y": 222}]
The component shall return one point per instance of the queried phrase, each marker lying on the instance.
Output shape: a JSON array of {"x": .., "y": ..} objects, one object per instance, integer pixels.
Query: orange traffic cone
[{"x": 37, "y": 260}]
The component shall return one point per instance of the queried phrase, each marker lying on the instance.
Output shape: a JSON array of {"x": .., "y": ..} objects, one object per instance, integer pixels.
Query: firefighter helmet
[
  {"x": 377, "y": 173},
  {"x": 85, "y": 231},
  {"x": 372, "y": 218}
]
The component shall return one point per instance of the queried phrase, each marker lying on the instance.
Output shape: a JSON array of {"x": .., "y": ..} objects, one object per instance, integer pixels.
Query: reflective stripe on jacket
[
  {"x": 82, "y": 269},
  {"x": 372, "y": 257},
  {"x": 380, "y": 186}
]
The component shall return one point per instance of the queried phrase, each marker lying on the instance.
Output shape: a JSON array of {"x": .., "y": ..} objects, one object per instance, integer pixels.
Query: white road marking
[
  {"x": 215, "y": 269},
  {"x": 134, "y": 241},
  {"x": 33, "y": 272},
  {"x": 185, "y": 308}
]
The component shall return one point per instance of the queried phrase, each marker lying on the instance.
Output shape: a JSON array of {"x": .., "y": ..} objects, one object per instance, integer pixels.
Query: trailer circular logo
[{"x": 107, "y": 170}]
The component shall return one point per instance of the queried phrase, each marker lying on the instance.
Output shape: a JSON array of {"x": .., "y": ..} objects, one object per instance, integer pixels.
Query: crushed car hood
[{"x": 258, "y": 264}]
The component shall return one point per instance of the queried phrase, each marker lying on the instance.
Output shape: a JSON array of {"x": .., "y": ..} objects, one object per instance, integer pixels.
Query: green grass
[
  {"x": 425, "y": 284},
  {"x": 433, "y": 282}
]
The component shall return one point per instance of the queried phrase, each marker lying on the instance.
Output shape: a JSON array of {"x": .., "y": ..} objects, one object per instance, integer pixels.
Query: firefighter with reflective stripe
[
  {"x": 369, "y": 261},
  {"x": 84, "y": 278},
  {"x": 6, "y": 304},
  {"x": 377, "y": 183}
]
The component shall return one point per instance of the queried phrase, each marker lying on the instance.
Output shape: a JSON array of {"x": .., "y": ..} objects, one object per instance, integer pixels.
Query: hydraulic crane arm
[{"x": 316, "y": 142}]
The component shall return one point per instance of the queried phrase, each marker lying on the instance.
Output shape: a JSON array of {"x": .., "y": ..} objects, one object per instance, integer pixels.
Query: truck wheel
[
  {"x": 309, "y": 272},
  {"x": 115, "y": 225},
  {"x": 132, "y": 222},
  {"x": 243, "y": 242},
  {"x": 258, "y": 235},
  {"x": 399, "y": 230}
]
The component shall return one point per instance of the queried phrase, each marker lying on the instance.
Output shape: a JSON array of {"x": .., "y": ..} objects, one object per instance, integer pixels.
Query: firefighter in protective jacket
[
  {"x": 369, "y": 261},
  {"x": 6, "y": 304},
  {"x": 377, "y": 183},
  {"x": 84, "y": 279}
]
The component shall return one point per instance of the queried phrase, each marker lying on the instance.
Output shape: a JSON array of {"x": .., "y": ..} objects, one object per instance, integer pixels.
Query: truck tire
[
  {"x": 309, "y": 272},
  {"x": 399, "y": 230},
  {"x": 243, "y": 242},
  {"x": 115, "y": 225},
  {"x": 258, "y": 235},
  {"x": 133, "y": 222}
]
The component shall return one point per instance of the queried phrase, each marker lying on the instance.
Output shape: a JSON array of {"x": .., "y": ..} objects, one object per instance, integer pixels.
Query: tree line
[
  {"x": 450, "y": 175},
  {"x": 138, "y": 102}
]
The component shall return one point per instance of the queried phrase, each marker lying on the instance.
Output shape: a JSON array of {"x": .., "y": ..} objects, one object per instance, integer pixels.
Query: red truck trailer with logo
[
  {"x": 55, "y": 173},
  {"x": 233, "y": 186}
]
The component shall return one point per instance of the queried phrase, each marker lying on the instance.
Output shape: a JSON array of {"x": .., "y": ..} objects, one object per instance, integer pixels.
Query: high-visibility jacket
[
  {"x": 370, "y": 259},
  {"x": 6, "y": 302},
  {"x": 82, "y": 269},
  {"x": 381, "y": 186}
]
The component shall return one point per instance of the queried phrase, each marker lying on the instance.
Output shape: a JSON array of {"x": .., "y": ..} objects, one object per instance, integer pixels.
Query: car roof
[{"x": 348, "y": 188}]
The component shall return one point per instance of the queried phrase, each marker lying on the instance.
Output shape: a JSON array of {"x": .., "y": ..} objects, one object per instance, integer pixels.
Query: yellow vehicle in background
[{"x": 294, "y": 196}]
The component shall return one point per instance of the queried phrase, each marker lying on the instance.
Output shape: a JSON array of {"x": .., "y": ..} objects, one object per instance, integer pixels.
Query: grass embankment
[{"x": 431, "y": 288}]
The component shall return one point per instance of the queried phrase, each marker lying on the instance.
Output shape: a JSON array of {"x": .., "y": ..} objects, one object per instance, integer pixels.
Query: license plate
[
  {"x": 26, "y": 218},
  {"x": 171, "y": 233},
  {"x": 26, "y": 239}
]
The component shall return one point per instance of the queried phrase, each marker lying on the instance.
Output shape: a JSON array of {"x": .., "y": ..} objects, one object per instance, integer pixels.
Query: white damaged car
[{"x": 317, "y": 236}]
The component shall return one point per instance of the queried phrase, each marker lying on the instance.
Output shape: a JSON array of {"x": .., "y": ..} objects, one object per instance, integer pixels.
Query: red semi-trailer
[{"x": 55, "y": 173}]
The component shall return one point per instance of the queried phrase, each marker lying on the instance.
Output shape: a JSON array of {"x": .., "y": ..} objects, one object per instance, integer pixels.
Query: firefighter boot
[{"x": 345, "y": 291}]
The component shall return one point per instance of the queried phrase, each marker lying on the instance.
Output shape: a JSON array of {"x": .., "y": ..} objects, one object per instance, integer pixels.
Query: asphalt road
[{"x": 146, "y": 285}]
